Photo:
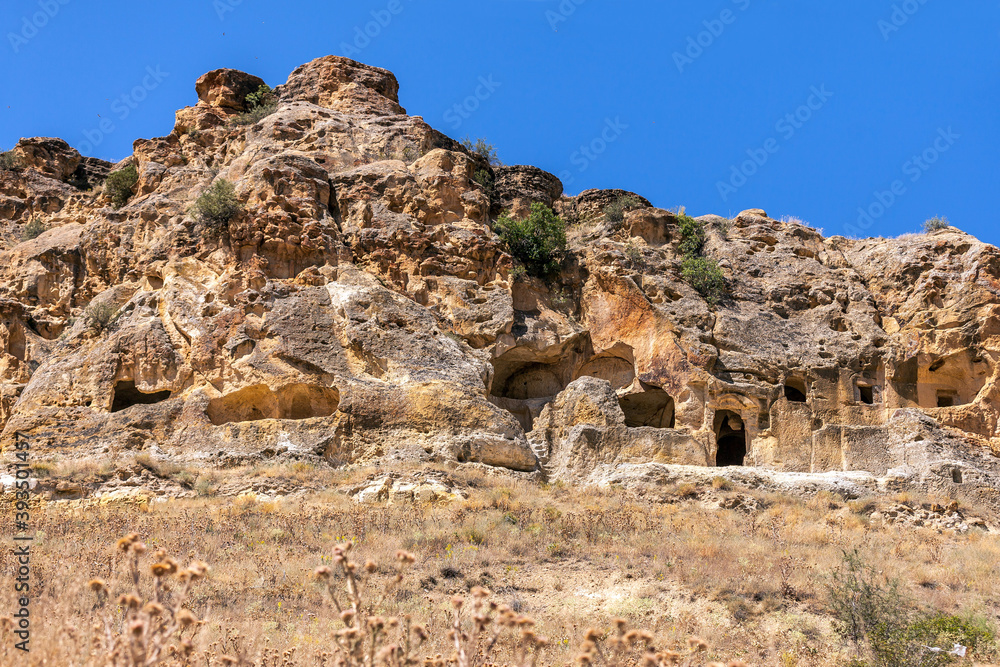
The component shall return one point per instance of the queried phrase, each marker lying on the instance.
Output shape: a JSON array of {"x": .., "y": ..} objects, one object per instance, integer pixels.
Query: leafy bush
[
  {"x": 936, "y": 223},
  {"x": 259, "y": 105},
  {"x": 486, "y": 179},
  {"x": 705, "y": 276},
  {"x": 692, "y": 235},
  {"x": 33, "y": 229},
  {"x": 119, "y": 185},
  {"x": 484, "y": 149},
  {"x": 254, "y": 116},
  {"x": 260, "y": 98},
  {"x": 217, "y": 205},
  {"x": 10, "y": 161},
  {"x": 872, "y": 611},
  {"x": 99, "y": 316},
  {"x": 701, "y": 273},
  {"x": 538, "y": 241},
  {"x": 615, "y": 212}
]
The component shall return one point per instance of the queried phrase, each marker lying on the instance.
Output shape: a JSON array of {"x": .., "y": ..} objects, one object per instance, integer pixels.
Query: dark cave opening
[
  {"x": 731, "y": 439},
  {"x": 126, "y": 395}
]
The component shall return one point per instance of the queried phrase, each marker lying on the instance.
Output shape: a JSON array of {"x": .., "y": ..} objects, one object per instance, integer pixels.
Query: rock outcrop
[{"x": 361, "y": 309}]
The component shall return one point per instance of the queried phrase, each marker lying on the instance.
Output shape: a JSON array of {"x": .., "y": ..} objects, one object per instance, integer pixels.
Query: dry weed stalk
[
  {"x": 368, "y": 640},
  {"x": 627, "y": 647},
  {"x": 142, "y": 634}
]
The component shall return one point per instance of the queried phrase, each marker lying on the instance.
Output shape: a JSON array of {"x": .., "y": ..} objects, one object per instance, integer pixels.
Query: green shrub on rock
[
  {"x": 700, "y": 272},
  {"x": 484, "y": 149},
  {"x": 936, "y": 223},
  {"x": 259, "y": 105},
  {"x": 10, "y": 161},
  {"x": 537, "y": 241},
  {"x": 705, "y": 276},
  {"x": 33, "y": 229},
  {"x": 120, "y": 184},
  {"x": 614, "y": 212},
  {"x": 217, "y": 205}
]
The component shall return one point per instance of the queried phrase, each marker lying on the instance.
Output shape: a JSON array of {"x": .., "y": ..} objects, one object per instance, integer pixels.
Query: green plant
[
  {"x": 253, "y": 116},
  {"x": 705, "y": 276},
  {"x": 634, "y": 258},
  {"x": 207, "y": 484},
  {"x": 936, "y": 223},
  {"x": 217, "y": 205},
  {"x": 484, "y": 149},
  {"x": 692, "y": 235},
  {"x": 33, "y": 229},
  {"x": 10, "y": 161},
  {"x": 701, "y": 273},
  {"x": 99, "y": 316},
  {"x": 119, "y": 185},
  {"x": 614, "y": 213},
  {"x": 872, "y": 610},
  {"x": 561, "y": 300},
  {"x": 537, "y": 241},
  {"x": 485, "y": 178},
  {"x": 259, "y": 105},
  {"x": 260, "y": 97}
]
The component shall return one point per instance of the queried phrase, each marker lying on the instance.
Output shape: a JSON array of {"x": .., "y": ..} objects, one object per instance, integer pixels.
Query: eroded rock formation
[{"x": 360, "y": 308}]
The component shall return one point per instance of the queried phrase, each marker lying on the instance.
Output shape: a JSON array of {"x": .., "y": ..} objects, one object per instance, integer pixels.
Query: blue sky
[{"x": 862, "y": 117}]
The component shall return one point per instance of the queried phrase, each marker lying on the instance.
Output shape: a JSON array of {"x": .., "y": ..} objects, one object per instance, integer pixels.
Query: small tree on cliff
[
  {"x": 119, "y": 185},
  {"x": 537, "y": 241},
  {"x": 217, "y": 206}
]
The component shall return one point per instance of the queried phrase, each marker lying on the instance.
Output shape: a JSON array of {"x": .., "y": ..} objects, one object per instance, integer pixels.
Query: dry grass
[{"x": 752, "y": 584}]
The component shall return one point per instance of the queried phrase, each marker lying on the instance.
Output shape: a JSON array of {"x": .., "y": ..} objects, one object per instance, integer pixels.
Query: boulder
[{"x": 226, "y": 89}]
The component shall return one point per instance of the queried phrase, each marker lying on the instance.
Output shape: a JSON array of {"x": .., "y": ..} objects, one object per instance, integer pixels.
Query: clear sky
[{"x": 863, "y": 117}]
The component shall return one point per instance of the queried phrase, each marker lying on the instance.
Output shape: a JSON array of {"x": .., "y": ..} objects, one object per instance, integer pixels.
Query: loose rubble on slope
[{"x": 360, "y": 310}]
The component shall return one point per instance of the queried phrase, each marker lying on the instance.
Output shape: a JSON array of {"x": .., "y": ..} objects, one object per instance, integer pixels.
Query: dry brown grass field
[{"x": 750, "y": 582}]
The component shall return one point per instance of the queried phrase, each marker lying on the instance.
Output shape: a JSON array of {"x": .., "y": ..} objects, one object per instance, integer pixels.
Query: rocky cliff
[{"x": 361, "y": 309}]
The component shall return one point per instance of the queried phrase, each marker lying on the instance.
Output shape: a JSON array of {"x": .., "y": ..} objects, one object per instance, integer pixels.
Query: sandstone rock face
[
  {"x": 517, "y": 188},
  {"x": 589, "y": 205},
  {"x": 343, "y": 84},
  {"x": 226, "y": 88},
  {"x": 360, "y": 308}
]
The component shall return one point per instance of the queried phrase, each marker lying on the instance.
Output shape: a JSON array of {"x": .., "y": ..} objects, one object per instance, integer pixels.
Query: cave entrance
[
  {"x": 795, "y": 390},
  {"x": 126, "y": 395},
  {"x": 951, "y": 381},
  {"x": 531, "y": 381},
  {"x": 653, "y": 407},
  {"x": 866, "y": 394},
  {"x": 291, "y": 401},
  {"x": 947, "y": 399},
  {"x": 730, "y": 439}
]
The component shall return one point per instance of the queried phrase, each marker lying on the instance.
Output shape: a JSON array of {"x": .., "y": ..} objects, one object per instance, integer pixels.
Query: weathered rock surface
[{"x": 360, "y": 308}]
